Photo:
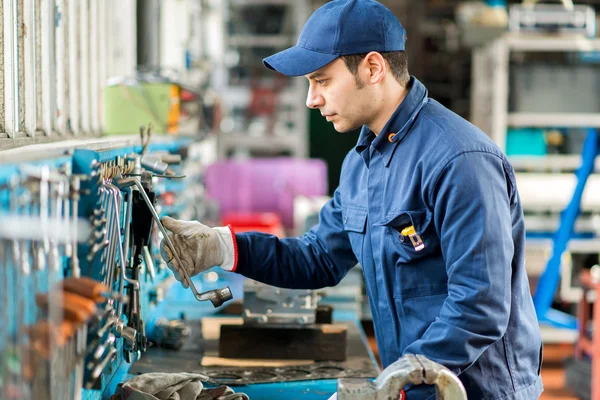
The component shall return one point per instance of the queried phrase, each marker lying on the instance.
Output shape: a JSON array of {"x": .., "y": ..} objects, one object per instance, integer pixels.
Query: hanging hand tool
[
  {"x": 217, "y": 297},
  {"x": 44, "y": 333},
  {"x": 150, "y": 270},
  {"x": 75, "y": 196},
  {"x": 97, "y": 371},
  {"x": 141, "y": 230},
  {"x": 75, "y": 308},
  {"x": 96, "y": 351},
  {"x": 85, "y": 287}
]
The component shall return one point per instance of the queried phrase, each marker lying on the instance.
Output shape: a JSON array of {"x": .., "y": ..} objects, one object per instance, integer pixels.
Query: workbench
[{"x": 307, "y": 380}]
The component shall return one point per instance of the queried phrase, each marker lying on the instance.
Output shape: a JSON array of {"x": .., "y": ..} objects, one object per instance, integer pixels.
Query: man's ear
[{"x": 374, "y": 67}]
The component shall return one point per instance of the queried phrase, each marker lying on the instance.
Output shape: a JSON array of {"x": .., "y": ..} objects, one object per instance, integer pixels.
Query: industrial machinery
[
  {"x": 264, "y": 304},
  {"x": 283, "y": 324}
]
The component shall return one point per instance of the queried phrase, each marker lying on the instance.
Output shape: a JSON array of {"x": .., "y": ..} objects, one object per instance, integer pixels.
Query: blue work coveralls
[{"x": 462, "y": 300}]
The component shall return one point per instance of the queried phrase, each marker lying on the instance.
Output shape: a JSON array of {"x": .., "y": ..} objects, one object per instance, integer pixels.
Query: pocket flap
[
  {"x": 355, "y": 219},
  {"x": 402, "y": 219}
]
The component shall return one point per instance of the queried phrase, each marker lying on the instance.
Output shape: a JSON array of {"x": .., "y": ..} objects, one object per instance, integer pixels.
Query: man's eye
[{"x": 321, "y": 82}]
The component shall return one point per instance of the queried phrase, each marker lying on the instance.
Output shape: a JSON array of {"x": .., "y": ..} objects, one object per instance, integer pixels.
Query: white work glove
[{"x": 199, "y": 247}]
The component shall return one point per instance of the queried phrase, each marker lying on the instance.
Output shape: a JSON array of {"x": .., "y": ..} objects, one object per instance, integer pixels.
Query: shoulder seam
[
  {"x": 455, "y": 156},
  {"x": 433, "y": 120}
]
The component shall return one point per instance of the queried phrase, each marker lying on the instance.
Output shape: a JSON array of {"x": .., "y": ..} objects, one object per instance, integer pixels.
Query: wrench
[
  {"x": 119, "y": 245},
  {"x": 95, "y": 249},
  {"x": 128, "y": 333},
  {"x": 22, "y": 276},
  {"x": 218, "y": 296},
  {"x": 98, "y": 351},
  {"x": 56, "y": 209},
  {"x": 66, "y": 216},
  {"x": 80, "y": 353},
  {"x": 117, "y": 202},
  {"x": 149, "y": 263},
  {"x": 113, "y": 202},
  {"x": 107, "y": 213},
  {"x": 75, "y": 188},
  {"x": 99, "y": 222},
  {"x": 5, "y": 248},
  {"x": 45, "y": 205},
  {"x": 108, "y": 251},
  {"x": 97, "y": 371}
]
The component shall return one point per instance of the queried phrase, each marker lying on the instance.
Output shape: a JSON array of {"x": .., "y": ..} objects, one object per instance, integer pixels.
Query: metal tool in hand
[
  {"x": 414, "y": 369},
  {"x": 218, "y": 296}
]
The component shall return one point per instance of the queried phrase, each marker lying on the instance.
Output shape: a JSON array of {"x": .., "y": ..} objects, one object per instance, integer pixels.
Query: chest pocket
[
  {"x": 420, "y": 268},
  {"x": 410, "y": 246},
  {"x": 355, "y": 222}
]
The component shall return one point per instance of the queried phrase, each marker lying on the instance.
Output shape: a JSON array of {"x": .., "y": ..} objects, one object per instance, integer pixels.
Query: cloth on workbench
[{"x": 180, "y": 386}]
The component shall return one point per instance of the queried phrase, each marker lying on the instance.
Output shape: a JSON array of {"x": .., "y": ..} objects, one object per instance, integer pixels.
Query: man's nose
[{"x": 313, "y": 99}]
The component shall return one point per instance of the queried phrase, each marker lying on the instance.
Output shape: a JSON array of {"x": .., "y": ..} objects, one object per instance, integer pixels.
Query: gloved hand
[{"x": 199, "y": 247}]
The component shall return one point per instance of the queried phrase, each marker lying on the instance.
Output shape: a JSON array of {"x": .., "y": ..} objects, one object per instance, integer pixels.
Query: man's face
[{"x": 334, "y": 91}]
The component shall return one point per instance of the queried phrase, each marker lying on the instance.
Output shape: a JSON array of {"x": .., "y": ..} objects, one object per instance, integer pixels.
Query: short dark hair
[{"x": 398, "y": 61}]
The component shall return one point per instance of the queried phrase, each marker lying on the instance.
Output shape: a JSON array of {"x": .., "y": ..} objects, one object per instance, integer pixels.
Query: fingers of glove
[
  {"x": 170, "y": 223},
  {"x": 180, "y": 278},
  {"x": 165, "y": 252},
  {"x": 170, "y": 254},
  {"x": 167, "y": 255},
  {"x": 177, "y": 273}
]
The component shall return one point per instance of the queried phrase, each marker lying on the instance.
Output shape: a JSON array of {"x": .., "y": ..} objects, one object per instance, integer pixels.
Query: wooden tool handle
[
  {"x": 45, "y": 331},
  {"x": 75, "y": 308},
  {"x": 86, "y": 287}
]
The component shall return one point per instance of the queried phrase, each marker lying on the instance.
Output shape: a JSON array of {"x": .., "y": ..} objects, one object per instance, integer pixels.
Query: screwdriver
[
  {"x": 85, "y": 287},
  {"x": 75, "y": 308},
  {"x": 44, "y": 335}
]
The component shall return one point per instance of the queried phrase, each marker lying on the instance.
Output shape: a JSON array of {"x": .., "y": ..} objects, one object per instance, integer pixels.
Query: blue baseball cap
[{"x": 340, "y": 28}]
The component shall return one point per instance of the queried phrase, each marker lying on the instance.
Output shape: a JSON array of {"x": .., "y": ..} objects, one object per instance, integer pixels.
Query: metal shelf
[
  {"x": 490, "y": 88},
  {"x": 545, "y": 223},
  {"x": 546, "y": 43},
  {"x": 545, "y": 120},
  {"x": 552, "y": 191},
  {"x": 577, "y": 246},
  {"x": 236, "y": 96},
  {"x": 553, "y": 162}
]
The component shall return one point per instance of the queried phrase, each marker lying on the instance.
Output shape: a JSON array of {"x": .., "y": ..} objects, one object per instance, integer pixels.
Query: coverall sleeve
[
  {"x": 317, "y": 259},
  {"x": 472, "y": 214}
]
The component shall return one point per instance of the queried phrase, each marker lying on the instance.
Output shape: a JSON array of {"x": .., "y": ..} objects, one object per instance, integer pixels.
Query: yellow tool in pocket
[{"x": 414, "y": 237}]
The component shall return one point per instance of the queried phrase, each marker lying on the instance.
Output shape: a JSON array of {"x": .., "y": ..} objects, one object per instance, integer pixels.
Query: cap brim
[{"x": 298, "y": 61}]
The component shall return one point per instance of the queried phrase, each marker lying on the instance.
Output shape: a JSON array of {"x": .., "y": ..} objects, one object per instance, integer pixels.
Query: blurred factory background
[{"x": 114, "y": 113}]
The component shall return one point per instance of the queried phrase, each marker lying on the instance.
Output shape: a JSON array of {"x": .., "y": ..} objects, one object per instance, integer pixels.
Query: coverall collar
[{"x": 398, "y": 125}]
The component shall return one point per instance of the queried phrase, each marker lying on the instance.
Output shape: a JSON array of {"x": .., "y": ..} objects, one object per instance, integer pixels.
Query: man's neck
[{"x": 389, "y": 108}]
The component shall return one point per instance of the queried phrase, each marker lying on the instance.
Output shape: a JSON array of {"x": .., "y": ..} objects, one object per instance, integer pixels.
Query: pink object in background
[{"x": 265, "y": 184}]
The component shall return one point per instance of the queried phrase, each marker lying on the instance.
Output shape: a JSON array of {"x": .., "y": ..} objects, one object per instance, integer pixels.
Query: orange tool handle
[
  {"x": 85, "y": 287},
  {"x": 75, "y": 308}
]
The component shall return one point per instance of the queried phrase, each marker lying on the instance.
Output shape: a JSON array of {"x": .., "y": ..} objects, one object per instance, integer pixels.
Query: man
[{"x": 427, "y": 204}]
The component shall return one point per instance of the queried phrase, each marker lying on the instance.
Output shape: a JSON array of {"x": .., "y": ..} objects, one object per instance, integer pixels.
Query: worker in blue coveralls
[{"x": 427, "y": 204}]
